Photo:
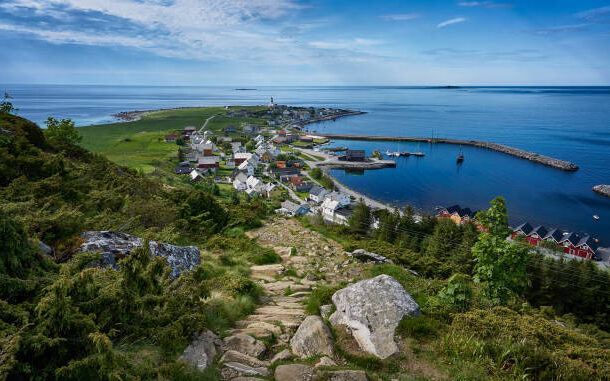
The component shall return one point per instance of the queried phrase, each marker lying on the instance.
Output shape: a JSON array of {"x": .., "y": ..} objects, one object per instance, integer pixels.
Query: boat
[
  {"x": 418, "y": 153},
  {"x": 405, "y": 153},
  {"x": 595, "y": 217},
  {"x": 460, "y": 157}
]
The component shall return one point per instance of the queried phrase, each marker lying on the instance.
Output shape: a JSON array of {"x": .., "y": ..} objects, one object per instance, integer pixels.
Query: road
[{"x": 206, "y": 123}]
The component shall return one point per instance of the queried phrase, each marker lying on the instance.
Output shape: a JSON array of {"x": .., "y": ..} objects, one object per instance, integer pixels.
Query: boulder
[
  {"x": 293, "y": 372},
  {"x": 312, "y": 338},
  {"x": 345, "y": 375},
  {"x": 202, "y": 351},
  {"x": 372, "y": 309},
  {"x": 115, "y": 245},
  {"x": 235, "y": 369},
  {"x": 48, "y": 250},
  {"x": 284, "y": 355},
  {"x": 234, "y": 356},
  {"x": 245, "y": 344},
  {"x": 368, "y": 257}
]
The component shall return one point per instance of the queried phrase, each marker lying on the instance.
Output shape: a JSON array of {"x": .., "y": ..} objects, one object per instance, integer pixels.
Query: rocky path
[{"x": 263, "y": 338}]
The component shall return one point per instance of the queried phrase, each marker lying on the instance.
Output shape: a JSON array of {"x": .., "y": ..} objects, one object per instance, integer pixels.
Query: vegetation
[
  {"x": 323, "y": 179},
  {"x": 60, "y": 318}
]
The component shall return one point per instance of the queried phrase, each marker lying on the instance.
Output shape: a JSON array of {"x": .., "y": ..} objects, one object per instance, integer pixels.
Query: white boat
[{"x": 595, "y": 217}]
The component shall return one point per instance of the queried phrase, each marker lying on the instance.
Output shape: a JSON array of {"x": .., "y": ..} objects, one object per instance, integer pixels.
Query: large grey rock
[
  {"x": 312, "y": 338},
  {"x": 367, "y": 256},
  {"x": 235, "y": 369},
  {"x": 371, "y": 309},
  {"x": 202, "y": 351},
  {"x": 284, "y": 355},
  {"x": 234, "y": 356},
  {"x": 325, "y": 361},
  {"x": 115, "y": 245},
  {"x": 245, "y": 344},
  {"x": 293, "y": 372},
  {"x": 345, "y": 375},
  {"x": 48, "y": 250},
  {"x": 325, "y": 310}
]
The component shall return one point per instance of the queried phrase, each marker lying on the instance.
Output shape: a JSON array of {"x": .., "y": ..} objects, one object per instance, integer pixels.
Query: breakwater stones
[
  {"x": 516, "y": 152},
  {"x": 602, "y": 189}
]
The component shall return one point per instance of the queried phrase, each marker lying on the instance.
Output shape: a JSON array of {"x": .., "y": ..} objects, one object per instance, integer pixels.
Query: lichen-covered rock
[
  {"x": 115, "y": 245},
  {"x": 234, "y": 356},
  {"x": 202, "y": 351},
  {"x": 293, "y": 372},
  {"x": 372, "y": 309},
  {"x": 325, "y": 310},
  {"x": 345, "y": 375},
  {"x": 245, "y": 344},
  {"x": 234, "y": 369},
  {"x": 312, "y": 338},
  {"x": 368, "y": 257},
  {"x": 284, "y": 355},
  {"x": 325, "y": 361}
]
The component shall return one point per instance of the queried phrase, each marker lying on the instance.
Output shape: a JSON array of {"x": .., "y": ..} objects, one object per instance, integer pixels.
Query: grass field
[{"x": 140, "y": 144}]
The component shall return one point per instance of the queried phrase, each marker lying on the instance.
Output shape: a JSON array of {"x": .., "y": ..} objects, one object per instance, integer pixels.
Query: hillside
[{"x": 267, "y": 296}]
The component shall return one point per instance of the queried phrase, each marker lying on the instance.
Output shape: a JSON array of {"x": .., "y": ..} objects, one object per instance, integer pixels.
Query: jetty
[
  {"x": 508, "y": 150},
  {"x": 331, "y": 117},
  {"x": 333, "y": 162},
  {"x": 602, "y": 189}
]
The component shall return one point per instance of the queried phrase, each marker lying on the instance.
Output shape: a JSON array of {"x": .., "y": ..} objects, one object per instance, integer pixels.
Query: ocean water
[{"x": 569, "y": 123}]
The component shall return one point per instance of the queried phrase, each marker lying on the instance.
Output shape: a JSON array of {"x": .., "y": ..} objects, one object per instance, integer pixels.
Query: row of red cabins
[{"x": 581, "y": 245}]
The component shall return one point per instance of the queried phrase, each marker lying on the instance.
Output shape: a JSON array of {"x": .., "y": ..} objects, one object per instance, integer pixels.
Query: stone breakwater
[
  {"x": 604, "y": 190},
  {"x": 508, "y": 150}
]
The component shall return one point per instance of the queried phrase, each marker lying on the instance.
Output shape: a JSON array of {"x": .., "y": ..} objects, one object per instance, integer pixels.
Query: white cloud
[
  {"x": 401, "y": 17},
  {"x": 451, "y": 21},
  {"x": 485, "y": 4},
  {"x": 345, "y": 44}
]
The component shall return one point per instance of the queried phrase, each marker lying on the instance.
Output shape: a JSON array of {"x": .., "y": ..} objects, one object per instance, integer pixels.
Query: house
[
  {"x": 292, "y": 209},
  {"x": 207, "y": 134},
  {"x": 342, "y": 215},
  {"x": 291, "y": 138},
  {"x": 239, "y": 185},
  {"x": 341, "y": 198},
  {"x": 238, "y": 175},
  {"x": 196, "y": 176},
  {"x": 304, "y": 187},
  {"x": 226, "y": 139},
  {"x": 184, "y": 164},
  {"x": 580, "y": 245},
  {"x": 282, "y": 133},
  {"x": 270, "y": 188},
  {"x": 240, "y": 157},
  {"x": 317, "y": 194},
  {"x": 306, "y": 139},
  {"x": 458, "y": 215},
  {"x": 354, "y": 155},
  {"x": 247, "y": 168},
  {"x": 230, "y": 129},
  {"x": 171, "y": 138},
  {"x": 255, "y": 185},
  {"x": 208, "y": 162},
  {"x": 189, "y": 130},
  {"x": 205, "y": 148},
  {"x": 295, "y": 180},
  {"x": 183, "y": 170},
  {"x": 259, "y": 139},
  {"x": 289, "y": 171},
  {"x": 251, "y": 129},
  {"x": 328, "y": 208},
  {"x": 280, "y": 140},
  {"x": 280, "y": 163},
  {"x": 254, "y": 159}
]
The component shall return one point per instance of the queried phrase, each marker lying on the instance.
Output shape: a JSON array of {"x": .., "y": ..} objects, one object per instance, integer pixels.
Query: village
[{"x": 275, "y": 159}]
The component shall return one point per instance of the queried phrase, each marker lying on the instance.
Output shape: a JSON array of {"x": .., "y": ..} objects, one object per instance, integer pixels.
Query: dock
[{"x": 508, "y": 150}]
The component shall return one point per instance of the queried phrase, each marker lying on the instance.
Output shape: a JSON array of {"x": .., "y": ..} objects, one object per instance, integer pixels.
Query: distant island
[{"x": 245, "y": 89}]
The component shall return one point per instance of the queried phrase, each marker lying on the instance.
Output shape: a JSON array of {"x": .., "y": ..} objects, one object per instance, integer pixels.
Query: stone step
[
  {"x": 300, "y": 294},
  {"x": 276, "y": 310},
  {"x": 259, "y": 333},
  {"x": 288, "y": 321},
  {"x": 235, "y": 369},
  {"x": 266, "y": 272},
  {"x": 280, "y": 287}
]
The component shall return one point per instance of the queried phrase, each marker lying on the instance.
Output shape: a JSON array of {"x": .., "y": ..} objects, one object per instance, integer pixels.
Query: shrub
[{"x": 320, "y": 296}]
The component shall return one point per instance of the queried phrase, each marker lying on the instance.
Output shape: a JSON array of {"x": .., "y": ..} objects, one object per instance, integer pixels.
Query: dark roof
[
  {"x": 461, "y": 212},
  {"x": 285, "y": 171},
  {"x": 183, "y": 170},
  {"x": 344, "y": 212},
  {"x": 355, "y": 152},
  {"x": 586, "y": 239},
  {"x": 540, "y": 230},
  {"x": 555, "y": 234},
  {"x": 316, "y": 190},
  {"x": 570, "y": 236},
  {"x": 525, "y": 227}
]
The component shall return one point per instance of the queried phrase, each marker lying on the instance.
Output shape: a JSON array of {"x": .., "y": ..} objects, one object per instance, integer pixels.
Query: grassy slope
[{"x": 146, "y": 135}]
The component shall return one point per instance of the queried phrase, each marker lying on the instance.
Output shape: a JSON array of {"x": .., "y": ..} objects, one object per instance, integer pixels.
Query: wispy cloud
[
  {"x": 557, "y": 29},
  {"x": 485, "y": 4},
  {"x": 597, "y": 15},
  {"x": 401, "y": 17},
  {"x": 450, "y": 22},
  {"x": 476, "y": 55},
  {"x": 345, "y": 44}
]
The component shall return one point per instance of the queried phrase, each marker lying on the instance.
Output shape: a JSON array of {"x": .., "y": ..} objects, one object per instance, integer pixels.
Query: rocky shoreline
[{"x": 602, "y": 189}]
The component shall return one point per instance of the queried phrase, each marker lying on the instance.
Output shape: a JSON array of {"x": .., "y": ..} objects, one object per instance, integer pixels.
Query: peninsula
[{"x": 512, "y": 151}]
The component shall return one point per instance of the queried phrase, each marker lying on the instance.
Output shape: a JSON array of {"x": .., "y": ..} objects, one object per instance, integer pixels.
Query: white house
[
  {"x": 328, "y": 208},
  {"x": 237, "y": 147},
  {"x": 196, "y": 176},
  {"x": 239, "y": 185},
  {"x": 341, "y": 198},
  {"x": 259, "y": 139},
  {"x": 255, "y": 184},
  {"x": 317, "y": 194},
  {"x": 247, "y": 167}
]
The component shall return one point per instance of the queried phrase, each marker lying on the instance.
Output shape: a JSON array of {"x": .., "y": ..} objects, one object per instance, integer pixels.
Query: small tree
[
  {"x": 361, "y": 219},
  {"x": 62, "y": 131},
  {"x": 6, "y": 107},
  {"x": 499, "y": 264}
]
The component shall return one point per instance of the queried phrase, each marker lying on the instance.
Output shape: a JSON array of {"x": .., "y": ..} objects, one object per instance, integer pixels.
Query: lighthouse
[{"x": 271, "y": 104}]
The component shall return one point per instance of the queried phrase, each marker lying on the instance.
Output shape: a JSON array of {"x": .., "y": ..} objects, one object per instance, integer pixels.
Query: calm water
[{"x": 568, "y": 123}]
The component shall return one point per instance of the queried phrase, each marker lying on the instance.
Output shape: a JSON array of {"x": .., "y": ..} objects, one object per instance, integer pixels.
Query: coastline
[{"x": 135, "y": 115}]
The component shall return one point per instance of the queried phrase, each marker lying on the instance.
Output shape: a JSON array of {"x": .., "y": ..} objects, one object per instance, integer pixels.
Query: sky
[{"x": 305, "y": 42}]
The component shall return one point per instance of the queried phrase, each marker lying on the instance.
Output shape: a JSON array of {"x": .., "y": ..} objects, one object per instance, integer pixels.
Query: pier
[{"x": 508, "y": 150}]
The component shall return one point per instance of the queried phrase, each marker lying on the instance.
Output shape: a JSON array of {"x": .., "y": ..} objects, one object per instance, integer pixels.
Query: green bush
[{"x": 320, "y": 296}]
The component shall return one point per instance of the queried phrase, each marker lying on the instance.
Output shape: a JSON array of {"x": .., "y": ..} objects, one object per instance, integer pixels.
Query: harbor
[{"x": 508, "y": 150}]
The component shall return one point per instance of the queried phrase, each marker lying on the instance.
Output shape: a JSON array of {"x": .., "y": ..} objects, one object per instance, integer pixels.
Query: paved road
[{"x": 206, "y": 123}]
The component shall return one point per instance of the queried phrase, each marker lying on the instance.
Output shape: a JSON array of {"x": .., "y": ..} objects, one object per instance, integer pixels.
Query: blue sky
[{"x": 305, "y": 42}]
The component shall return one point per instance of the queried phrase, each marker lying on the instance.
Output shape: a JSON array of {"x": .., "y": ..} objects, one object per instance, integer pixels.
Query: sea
[{"x": 569, "y": 123}]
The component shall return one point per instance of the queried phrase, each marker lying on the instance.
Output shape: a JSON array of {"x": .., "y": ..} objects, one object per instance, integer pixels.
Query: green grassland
[{"x": 140, "y": 144}]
